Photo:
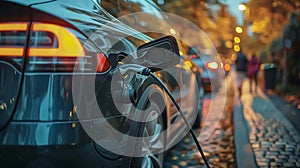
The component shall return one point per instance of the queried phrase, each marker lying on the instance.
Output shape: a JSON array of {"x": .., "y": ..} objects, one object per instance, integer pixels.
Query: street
[{"x": 263, "y": 136}]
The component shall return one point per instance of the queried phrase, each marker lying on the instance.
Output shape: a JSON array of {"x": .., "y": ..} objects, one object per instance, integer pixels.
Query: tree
[
  {"x": 209, "y": 15},
  {"x": 269, "y": 17},
  {"x": 292, "y": 32}
]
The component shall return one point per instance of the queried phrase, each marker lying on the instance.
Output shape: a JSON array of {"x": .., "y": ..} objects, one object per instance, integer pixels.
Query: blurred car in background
[{"x": 209, "y": 69}]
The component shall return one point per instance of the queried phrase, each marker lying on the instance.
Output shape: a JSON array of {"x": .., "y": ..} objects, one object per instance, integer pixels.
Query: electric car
[
  {"x": 210, "y": 69},
  {"x": 148, "y": 18},
  {"x": 58, "y": 65}
]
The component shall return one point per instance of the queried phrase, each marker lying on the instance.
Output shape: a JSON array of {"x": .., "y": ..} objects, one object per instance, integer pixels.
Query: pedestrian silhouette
[
  {"x": 241, "y": 69},
  {"x": 253, "y": 68}
]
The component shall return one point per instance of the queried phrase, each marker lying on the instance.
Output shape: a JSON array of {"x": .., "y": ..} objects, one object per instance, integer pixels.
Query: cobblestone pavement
[
  {"x": 289, "y": 110},
  {"x": 219, "y": 146},
  {"x": 274, "y": 140}
]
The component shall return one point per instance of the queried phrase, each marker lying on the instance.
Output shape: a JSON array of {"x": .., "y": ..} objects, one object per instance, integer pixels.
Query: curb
[{"x": 244, "y": 155}]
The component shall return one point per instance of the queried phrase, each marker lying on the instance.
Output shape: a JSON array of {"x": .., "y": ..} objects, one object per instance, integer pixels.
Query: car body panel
[
  {"x": 44, "y": 133},
  {"x": 56, "y": 156},
  {"x": 45, "y": 115},
  {"x": 54, "y": 89},
  {"x": 29, "y": 2},
  {"x": 186, "y": 90},
  {"x": 11, "y": 67}
]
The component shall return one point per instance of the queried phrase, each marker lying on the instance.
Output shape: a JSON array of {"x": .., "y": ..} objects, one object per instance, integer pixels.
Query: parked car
[
  {"x": 210, "y": 69},
  {"x": 147, "y": 17},
  {"x": 44, "y": 45}
]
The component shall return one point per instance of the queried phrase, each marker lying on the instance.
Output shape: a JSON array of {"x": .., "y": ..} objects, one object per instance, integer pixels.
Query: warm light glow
[
  {"x": 242, "y": 7},
  {"x": 233, "y": 57},
  {"x": 195, "y": 56},
  {"x": 236, "y": 48},
  {"x": 237, "y": 40},
  {"x": 180, "y": 52},
  {"x": 172, "y": 31},
  {"x": 200, "y": 70},
  {"x": 158, "y": 74},
  {"x": 13, "y": 26},
  {"x": 228, "y": 44},
  {"x": 227, "y": 67},
  {"x": 212, "y": 65},
  {"x": 68, "y": 43},
  {"x": 12, "y": 51},
  {"x": 187, "y": 65},
  {"x": 238, "y": 29}
]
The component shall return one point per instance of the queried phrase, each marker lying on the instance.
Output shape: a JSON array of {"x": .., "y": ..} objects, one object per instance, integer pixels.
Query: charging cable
[{"x": 147, "y": 72}]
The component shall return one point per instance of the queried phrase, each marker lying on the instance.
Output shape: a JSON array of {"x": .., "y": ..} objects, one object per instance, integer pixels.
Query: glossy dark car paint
[{"x": 39, "y": 124}]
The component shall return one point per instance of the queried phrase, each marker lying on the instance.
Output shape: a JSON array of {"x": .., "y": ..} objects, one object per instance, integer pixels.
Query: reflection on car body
[
  {"x": 148, "y": 18},
  {"x": 43, "y": 45}
]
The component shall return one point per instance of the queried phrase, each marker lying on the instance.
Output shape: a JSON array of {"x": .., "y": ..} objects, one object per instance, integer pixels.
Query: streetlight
[
  {"x": 236, "y": 39},
  {"x": 242, "y": 7},
  {"x": 239, "y": 29},
  {"x": 245, "y": 10},
  {"x": 236, "y": 48}
]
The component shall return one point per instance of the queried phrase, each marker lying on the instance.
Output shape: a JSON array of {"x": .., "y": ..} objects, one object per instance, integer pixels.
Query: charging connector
[{"x": 124, "y": 69}]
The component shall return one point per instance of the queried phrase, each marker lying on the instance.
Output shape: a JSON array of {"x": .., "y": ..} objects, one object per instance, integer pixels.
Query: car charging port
[{"x": 126, "y": 68}]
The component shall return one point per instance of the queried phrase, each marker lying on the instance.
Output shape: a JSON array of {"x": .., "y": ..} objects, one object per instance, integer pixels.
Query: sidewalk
[
  {"x": 263, "y": 135},
  {"x": 215, "y": 134}
]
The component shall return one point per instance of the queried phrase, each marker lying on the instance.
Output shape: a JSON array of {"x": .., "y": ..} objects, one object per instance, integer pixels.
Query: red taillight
[
  {"x": 200, "y": 70},
  {"x": 212, "y": 65},
  {"x": 51, "y": 48},
  {"x": 195, "y": 56},
  {"x": 102, "y": 63}
]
